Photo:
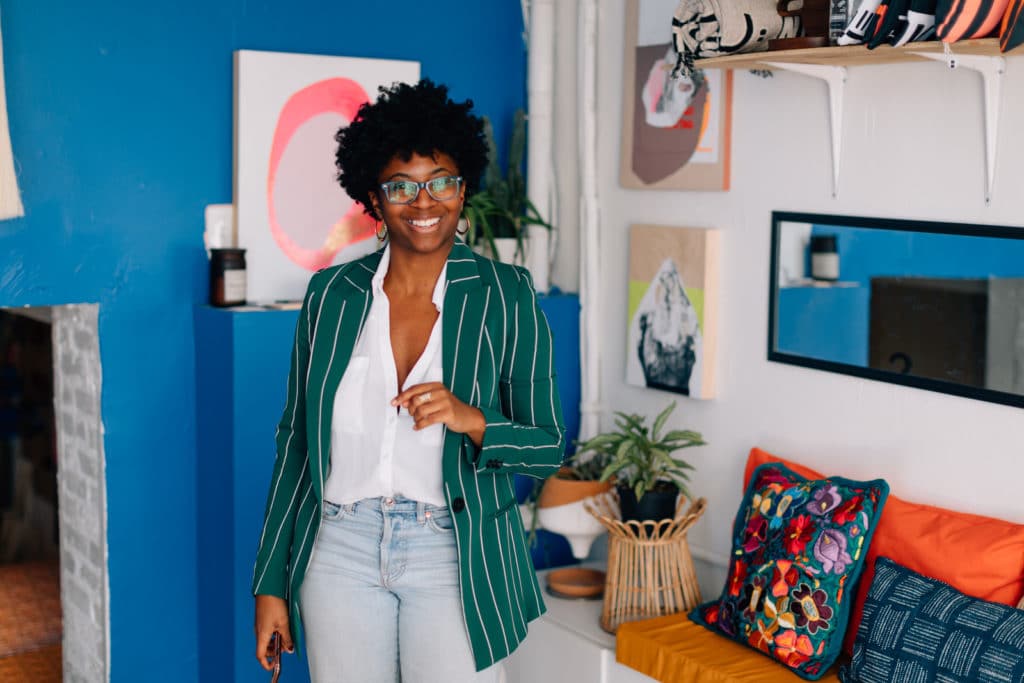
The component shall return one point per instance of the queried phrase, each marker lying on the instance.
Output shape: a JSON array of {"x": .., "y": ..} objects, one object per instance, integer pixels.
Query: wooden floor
[
  {"x": 36, "y": 666},
  {"x": 30, "y": 623}
]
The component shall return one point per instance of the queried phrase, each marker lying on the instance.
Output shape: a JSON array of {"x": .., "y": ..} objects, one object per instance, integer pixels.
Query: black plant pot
[{"x": 657, "y": 504}]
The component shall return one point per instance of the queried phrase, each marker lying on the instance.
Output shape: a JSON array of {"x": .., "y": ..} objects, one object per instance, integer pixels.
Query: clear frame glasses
[{"x": 405, "y": 191}]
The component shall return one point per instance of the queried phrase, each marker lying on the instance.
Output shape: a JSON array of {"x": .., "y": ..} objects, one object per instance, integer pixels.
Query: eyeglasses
[{"x": 405, "y": 191}]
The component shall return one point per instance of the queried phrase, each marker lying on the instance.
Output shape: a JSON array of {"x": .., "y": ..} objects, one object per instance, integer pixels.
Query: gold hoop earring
[
  {"x": 382, "y": 231},
  {"x": 469, "y": 226}
]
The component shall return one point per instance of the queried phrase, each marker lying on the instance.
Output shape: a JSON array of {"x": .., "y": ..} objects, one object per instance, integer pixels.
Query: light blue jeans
[{"x": 380, "y": 600}]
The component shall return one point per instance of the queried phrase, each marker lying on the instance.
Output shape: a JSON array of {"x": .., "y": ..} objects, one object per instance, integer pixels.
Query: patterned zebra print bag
[{"x": 711, "y": 28}]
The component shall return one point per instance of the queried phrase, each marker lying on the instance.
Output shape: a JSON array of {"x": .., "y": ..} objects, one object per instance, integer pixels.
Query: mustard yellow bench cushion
[{"x": 674, "y": 649}]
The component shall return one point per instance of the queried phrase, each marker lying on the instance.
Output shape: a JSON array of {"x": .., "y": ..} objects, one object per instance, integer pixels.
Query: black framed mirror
[{"x": 937, "y": 306}]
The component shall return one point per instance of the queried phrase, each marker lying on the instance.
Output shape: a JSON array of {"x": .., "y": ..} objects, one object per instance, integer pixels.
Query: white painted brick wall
[{"x": 81, "y": 483}]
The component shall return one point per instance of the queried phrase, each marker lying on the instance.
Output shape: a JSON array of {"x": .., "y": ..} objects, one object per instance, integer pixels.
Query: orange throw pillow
[{"x": 980, "y": 556}]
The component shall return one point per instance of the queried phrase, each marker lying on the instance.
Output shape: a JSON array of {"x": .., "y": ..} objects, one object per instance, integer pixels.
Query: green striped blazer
[{"x": 497, "y": 356}]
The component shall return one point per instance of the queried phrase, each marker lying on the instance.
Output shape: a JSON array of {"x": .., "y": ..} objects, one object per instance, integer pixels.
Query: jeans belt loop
[{"x": 421, "y": 509}]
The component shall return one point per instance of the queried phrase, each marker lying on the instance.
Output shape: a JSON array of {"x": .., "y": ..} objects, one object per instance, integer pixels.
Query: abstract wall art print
[
  {"x": 676, "y": 132},
  {"x": 292, "y": 217},
  {"x": 673, "y": 306},
  {"x": 10, "y": 198}
]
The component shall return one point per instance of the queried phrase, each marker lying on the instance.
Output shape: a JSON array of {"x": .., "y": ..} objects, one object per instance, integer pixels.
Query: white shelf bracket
[
  {"x": 835, "y": 78},
  {"x": 991, "y": 70}
]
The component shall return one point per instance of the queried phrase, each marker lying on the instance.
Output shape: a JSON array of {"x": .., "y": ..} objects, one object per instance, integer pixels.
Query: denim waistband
[{"x": 393, "y": 505}]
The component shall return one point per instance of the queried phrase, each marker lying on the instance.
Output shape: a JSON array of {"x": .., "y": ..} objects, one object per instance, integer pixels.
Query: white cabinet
[{"x": 567, "y": 645}]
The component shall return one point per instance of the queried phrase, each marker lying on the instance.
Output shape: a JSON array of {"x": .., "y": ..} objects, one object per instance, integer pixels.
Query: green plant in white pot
[
  {"x": 647, "y": 476},
  {"x": 500, "y": 212}
]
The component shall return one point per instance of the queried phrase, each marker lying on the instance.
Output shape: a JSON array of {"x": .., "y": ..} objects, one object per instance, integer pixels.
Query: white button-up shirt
[{"x": 374, "y": 450}]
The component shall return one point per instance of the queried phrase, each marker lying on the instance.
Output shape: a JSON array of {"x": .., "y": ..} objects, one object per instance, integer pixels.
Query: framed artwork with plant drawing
[{"x": 673, "y": 307}]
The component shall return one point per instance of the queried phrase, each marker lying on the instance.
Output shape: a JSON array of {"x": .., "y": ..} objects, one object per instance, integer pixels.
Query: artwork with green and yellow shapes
[{"x": 672, "y": 309}]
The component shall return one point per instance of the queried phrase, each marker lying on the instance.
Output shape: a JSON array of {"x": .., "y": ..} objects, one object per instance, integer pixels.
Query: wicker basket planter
[{"x": 650, "y": 570}]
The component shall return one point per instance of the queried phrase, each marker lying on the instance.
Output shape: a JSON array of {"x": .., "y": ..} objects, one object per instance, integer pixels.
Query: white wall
[
  {"x": 913, "y": 147},
  {"x": 565, "y": 267}
]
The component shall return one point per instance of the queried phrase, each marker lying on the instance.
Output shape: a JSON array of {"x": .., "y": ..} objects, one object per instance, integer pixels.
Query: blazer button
[{"x": 458, "y": 505}]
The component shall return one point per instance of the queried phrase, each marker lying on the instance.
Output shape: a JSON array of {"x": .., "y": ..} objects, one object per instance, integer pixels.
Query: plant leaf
[
  {"x": 683, "y": 435},
  {"x": 609, "y": 471},
  {"x": 634, "y": 421},
  {"x": 659, "y": 422}
]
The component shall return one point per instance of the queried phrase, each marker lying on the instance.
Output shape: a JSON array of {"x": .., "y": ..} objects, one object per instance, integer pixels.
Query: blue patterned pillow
[
  {"x": 798, "y": 549},
  {"x": 916, "y": 628}
]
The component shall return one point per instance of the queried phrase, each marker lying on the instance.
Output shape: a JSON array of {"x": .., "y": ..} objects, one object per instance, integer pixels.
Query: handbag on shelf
[
  {"x": 965, "y": 19},
  {"x": 1011, "y": 34},
  {"x": 713, "y": 28},
  {"x": 891, "y": 22}
]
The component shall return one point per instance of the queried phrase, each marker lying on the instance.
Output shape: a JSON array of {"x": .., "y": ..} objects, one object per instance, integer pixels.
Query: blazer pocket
[
  {"x": 348, "y": 414},
  {"x": 505, "y": 508}
]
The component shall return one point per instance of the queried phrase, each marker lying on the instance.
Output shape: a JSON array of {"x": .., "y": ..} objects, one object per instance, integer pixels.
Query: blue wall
[
  {"x": 865, "y": 253},
  {"x": 121, "y": 123},
  {"x": 827, "y": 323}
]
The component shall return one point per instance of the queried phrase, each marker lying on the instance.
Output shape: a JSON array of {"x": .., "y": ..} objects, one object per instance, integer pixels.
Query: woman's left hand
[{"x": 431, "y": 403}]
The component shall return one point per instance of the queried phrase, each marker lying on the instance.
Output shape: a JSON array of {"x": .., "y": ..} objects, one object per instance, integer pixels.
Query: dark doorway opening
[{"x": 30, "y": 601}]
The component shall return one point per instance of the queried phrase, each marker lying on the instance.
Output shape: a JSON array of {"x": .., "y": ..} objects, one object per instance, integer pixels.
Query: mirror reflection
[{"x": 934, "y": 305}]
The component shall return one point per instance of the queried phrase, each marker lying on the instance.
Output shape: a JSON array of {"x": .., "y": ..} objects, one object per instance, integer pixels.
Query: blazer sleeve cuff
[
  {"x": 496, "y": 434},
  {"x": 517, "y": 447}
]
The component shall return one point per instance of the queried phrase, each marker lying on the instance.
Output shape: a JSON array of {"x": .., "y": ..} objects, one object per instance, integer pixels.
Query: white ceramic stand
[{"x": 573, "y": 522}]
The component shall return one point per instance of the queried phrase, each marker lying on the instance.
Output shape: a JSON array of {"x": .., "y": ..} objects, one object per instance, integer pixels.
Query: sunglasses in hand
[{"x": 275, "y": 648}]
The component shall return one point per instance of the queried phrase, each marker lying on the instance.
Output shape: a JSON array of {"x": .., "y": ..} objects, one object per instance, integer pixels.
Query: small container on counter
[
  {"x": 227, "y": 277},
  {"x": 824, "y": 257}
]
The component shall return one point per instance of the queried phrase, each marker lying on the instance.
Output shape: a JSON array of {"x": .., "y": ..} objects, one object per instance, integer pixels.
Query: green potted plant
[
  {"x": 646, "y": 475},
  {"x": 500, "y": 212}
]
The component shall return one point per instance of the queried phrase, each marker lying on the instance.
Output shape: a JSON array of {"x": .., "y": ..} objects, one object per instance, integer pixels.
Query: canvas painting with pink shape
[{"x": 292, "y": 217}]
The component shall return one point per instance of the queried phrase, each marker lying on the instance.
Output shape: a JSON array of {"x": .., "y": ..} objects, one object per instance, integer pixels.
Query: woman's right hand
[{"x": 271, "y": 615}]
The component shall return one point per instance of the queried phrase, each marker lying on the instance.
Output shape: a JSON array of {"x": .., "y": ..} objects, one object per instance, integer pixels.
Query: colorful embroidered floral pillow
[{"x": 798, "y": 549}]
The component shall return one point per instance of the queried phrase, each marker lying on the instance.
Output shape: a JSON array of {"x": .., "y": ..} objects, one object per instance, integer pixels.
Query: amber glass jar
[{"x": 227, "y": 277}]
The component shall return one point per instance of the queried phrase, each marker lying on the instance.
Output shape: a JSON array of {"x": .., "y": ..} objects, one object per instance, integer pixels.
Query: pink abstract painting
[{"x": 292, "y": 216}]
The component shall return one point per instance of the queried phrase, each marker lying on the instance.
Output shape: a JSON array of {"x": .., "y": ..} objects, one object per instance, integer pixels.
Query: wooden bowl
[{"x": 575, "y": 582}]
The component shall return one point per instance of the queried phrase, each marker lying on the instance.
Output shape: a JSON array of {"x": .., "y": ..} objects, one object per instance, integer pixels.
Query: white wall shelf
[
  {"x": 855, "y": 55},
  {"x": 829, "y": 64}
]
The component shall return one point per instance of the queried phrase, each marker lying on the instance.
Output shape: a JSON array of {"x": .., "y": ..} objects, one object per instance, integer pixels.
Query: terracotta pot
[{"x": 558, "y": 491}]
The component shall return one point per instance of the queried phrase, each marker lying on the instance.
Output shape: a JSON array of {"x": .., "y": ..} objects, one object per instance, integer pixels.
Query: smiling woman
[
  {"x": 412, "y": 211},
  {"x": 422, "y": 380}
]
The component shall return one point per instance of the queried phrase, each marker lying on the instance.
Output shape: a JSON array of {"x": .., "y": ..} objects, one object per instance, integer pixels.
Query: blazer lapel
[
  {"x": 466, "y": 302},
  {"x": 343, "y": 310}
]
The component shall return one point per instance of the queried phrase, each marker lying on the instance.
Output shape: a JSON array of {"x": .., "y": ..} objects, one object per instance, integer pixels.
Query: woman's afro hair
[{"x": 405, "y": 120}]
